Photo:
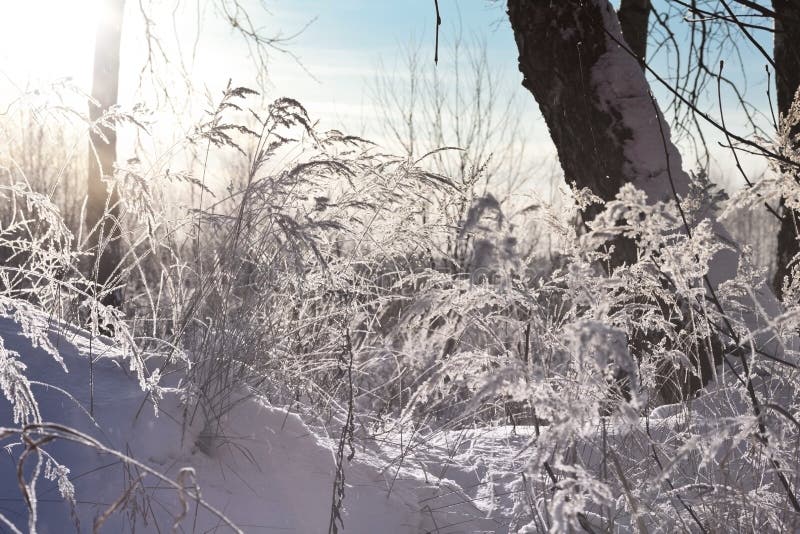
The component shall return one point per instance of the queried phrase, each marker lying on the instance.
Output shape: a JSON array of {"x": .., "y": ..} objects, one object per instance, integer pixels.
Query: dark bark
[
  {"x": 606, "y": 127},
  {"x": 608, "y": 131},
  {"x": 559, "y": 43},
  {"x": 634, "y": 17},
  {"x": 101, "y": 206},
  {"x": 787, "y": 81},
  {"x": 595, "y": 100}
]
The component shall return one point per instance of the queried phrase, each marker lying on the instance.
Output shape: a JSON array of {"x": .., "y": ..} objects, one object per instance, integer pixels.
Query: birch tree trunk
[
  {"x": 787, "y": 81},
  {"x": 101, "y": 205}
]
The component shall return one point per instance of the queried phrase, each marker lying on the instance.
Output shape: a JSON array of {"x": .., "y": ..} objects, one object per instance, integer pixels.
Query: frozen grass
[{"x": 393, "y": 310}]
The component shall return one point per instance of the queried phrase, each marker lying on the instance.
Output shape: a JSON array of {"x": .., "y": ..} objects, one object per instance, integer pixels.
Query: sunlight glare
[{"x": 46, "y": 39}]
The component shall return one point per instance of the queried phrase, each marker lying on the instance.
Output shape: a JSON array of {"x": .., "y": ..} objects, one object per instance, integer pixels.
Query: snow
[
  {"x": 620, "y": 87},
  {"x": 265, "y": 469}
]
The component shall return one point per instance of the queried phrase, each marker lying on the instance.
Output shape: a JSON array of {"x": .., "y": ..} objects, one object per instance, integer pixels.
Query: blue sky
[
  {"x": 351, "y": 41},
  {"x": 348, "y": 38},
  {"x": 340, "y": 49},
  {"x": 346, "y": 46}
]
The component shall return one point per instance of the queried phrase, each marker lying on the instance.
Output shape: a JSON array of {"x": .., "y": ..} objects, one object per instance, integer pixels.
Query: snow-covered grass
[
  {"x": 125, "y": 467},
  {"x": 338, "y": 339}
]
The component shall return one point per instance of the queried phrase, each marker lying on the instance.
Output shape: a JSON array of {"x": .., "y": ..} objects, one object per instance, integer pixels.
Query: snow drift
[{"x": 265, "y": 471}]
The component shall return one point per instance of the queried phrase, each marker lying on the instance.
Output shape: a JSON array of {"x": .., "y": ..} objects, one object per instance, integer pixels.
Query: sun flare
[{"x": 43, "y": 39}]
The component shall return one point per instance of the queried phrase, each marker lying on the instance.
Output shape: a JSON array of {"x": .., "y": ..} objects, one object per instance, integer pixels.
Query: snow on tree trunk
[
  {"x": 606, "y": 126},
  {"x": 101, "y": 205},
  {"x": 787, "y": 82}
]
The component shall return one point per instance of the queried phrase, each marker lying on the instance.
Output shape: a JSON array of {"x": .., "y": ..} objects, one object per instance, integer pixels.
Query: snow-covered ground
[
  {"x": 265, "y": 471},
  {"x": 100, "y": 458}
]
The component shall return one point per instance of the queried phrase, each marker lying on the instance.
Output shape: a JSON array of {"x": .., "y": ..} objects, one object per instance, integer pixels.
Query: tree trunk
[
  {"x": 787, "y": 81},
  {"x": 101, "y": 206},
  {"x": 607, "y": 127},
  {"x": 594, "y": 97},
  {"x": 634, "y": 18},
  {"x": 596, "y": 102}
]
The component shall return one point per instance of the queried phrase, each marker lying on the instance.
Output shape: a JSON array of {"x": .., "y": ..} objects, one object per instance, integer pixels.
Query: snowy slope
[{"x": 266, "y": 471}]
